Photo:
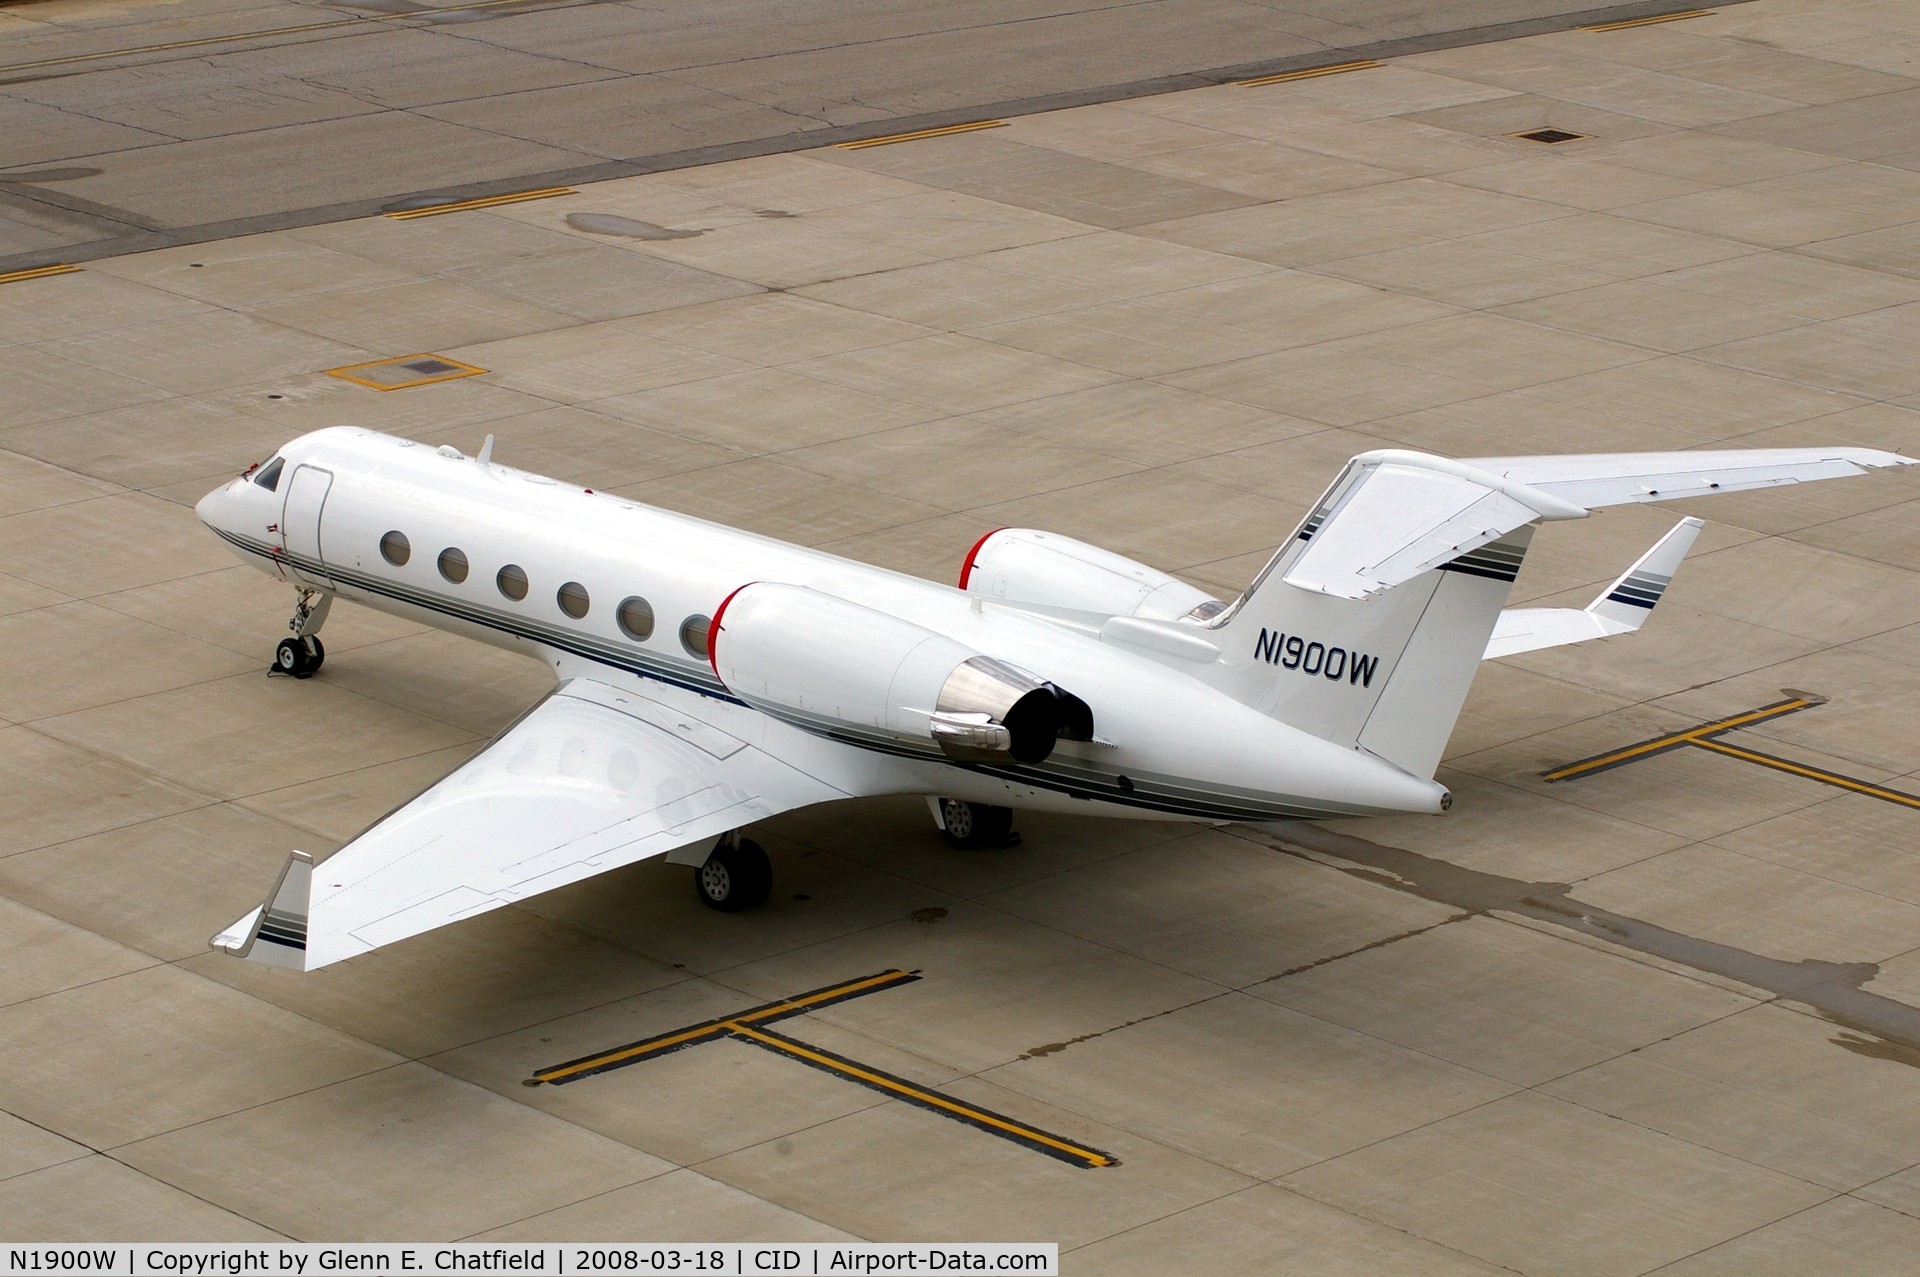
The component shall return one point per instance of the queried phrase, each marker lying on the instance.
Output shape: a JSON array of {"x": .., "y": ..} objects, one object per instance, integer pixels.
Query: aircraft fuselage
[{"x": 596, "y": 584}]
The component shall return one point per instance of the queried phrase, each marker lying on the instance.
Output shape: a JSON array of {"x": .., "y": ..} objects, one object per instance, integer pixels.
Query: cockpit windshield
[{"x": 269, "y": 475}]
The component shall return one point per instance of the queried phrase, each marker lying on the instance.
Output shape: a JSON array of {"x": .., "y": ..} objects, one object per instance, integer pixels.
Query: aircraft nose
[{"x": 212, "y": 508}]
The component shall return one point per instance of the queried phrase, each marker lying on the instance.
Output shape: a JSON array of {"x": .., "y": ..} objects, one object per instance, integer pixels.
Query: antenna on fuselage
[{"x": 486, "y": 451}]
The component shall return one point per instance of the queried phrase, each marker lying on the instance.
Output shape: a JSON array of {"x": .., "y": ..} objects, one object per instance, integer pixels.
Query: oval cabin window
[
  {"x": 693, "y": 635},
  {"x": 395, "y": 549},
  {"x": 453, "y": 565},
  {"x": 636, "y": 619},
  {"x": 573, "y": 599},
  {"x": 512, "y": 581}
]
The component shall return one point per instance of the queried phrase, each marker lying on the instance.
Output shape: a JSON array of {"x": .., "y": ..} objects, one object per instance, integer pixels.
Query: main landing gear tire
[
  {"x": 737, "y": 876},
  {"x": 299, "y": 657},
  {"x": 971, "y": 825}
]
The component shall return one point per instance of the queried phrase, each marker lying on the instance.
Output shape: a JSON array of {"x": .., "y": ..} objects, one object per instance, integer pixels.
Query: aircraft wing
[
  {"x": 1618, "y": 478},
  {"x": 591, "y": 778}
]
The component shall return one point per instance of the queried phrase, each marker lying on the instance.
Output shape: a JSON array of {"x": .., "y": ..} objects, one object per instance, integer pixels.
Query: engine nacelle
[
  {"x": 1045, "y": 569},
  {"x": 844, "y": 669}
]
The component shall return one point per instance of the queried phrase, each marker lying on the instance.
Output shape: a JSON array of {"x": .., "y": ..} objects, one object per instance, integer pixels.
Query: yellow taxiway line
[
  {"x": 1692, "y": 736},
  {"x": 1704, "y": 737},
  {"x": 1812, "y": 773},
  {"x": 796, "y": 1005},
  {"x": 1311, "y": 73},
  {"x": 750, "y": 1026},
  {"x": 903, "y": 1089},
  {"x": 38, "y": 272},
  {"x": 948, "y": 130},
  {"x": 1629, "y": 23},
  {"x": 481, "y": 201}
]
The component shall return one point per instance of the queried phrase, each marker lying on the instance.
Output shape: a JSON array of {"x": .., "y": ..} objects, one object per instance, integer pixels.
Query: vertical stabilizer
[{"x": 1386, "y": 672}]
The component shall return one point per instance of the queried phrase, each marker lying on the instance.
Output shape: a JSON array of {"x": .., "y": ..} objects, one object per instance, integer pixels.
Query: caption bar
[{"x": 307, "y": 1259}]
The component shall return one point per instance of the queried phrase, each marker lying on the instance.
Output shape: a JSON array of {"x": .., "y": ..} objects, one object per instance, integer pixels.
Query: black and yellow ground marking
[
  {"x": 405, "y": 372},
  {"x": 481, "y": 201},
  {"x": 752, "y": 1026},
  {"x": 267, "y": 34},
  {"x": 948, "y": 130},
  {"x": 1706, "y": 736},
  {"x": 1629, "y": 23},
  {"x": 38, "y": 272},
  {"x": 1310, "y": 73}
]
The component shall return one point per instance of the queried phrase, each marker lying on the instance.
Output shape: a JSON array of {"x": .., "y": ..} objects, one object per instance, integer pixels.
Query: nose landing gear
[
  {"x": 302, "y": 654},
  {"x": 299, "y": 657}
]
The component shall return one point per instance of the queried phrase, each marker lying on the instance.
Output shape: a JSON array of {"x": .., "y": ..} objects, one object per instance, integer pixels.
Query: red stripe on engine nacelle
[
  {"x": 713, "y": 631},
  {"x": 966, "y": 568}
]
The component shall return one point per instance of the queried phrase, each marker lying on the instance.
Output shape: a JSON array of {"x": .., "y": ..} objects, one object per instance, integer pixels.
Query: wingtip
[{"x": 275, "y": 933}]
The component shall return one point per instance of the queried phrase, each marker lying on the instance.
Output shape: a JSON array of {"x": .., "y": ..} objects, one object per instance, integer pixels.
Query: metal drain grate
[
  {"x": 1550, "y": 136},
  {"x": 404, "y": 372}
]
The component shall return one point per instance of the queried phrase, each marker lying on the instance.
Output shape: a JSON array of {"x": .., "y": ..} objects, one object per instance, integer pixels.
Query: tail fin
[
  {"x": 1373, "y": 640},
  {"x": 1366, "y": 627}
]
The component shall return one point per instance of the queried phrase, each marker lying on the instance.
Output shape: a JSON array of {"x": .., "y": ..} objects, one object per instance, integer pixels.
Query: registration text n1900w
[{"x": 1291, "y": 652}]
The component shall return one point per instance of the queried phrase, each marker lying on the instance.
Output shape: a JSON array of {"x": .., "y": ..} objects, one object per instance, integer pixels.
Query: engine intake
[{"x": 846, "y": 670}]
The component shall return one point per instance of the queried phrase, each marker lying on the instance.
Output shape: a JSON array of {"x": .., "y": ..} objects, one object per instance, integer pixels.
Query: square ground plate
[{"x": 405, "y": 372}]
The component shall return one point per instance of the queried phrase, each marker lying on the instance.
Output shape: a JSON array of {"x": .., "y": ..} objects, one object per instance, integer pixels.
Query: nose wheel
[
  {"x": 302, "y": 654},
  {"x": 299, "y": 657},
  {"x": 736, "y": 876}
]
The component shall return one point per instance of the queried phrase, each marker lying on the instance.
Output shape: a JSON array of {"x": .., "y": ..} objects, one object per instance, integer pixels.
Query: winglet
[
  {"x": 1628, "y": 600},
  {"x": 276, "y": 932}
]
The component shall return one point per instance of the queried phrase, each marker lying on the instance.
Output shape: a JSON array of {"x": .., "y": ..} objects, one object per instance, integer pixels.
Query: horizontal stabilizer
[
  {"x": 1619, "y": 478},
  {"x": 1621, "y": 608},
  {"x": 1393, "y": 515}
]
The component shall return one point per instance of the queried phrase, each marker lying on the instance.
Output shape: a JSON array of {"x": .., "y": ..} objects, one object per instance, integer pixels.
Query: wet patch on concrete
[
  {"x": 933, "y": 913},
  {"x": 632, "y": 228},
  {"x": 1831, "y": 989}
]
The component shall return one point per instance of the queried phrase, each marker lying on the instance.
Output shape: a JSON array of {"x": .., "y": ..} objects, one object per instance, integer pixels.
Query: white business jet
[{"x": 709, "y": 678}]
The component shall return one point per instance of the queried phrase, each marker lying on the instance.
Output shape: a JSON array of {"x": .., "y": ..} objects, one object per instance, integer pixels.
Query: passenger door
[{"x": 300, "y": 525}]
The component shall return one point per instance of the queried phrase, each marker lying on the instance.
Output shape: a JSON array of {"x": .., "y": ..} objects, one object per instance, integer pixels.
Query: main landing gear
[
  {"x": 736, "y": 876},
  {"x": 302, "y": 654},
  {"x": 971, "y": 825}
]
